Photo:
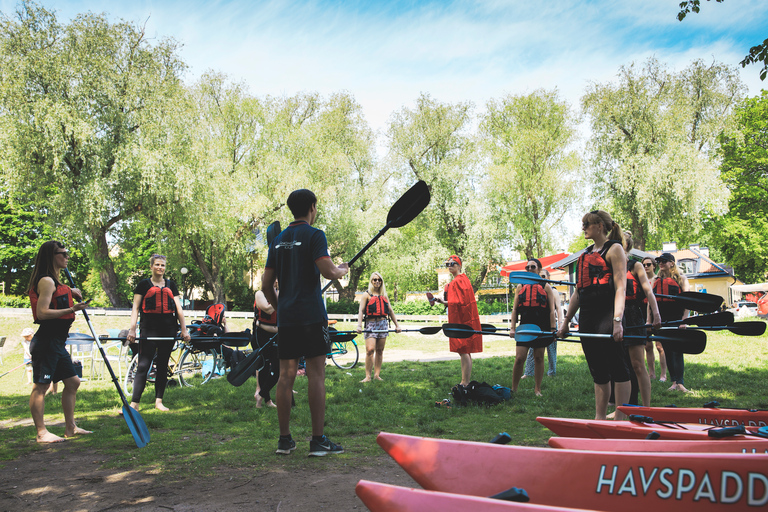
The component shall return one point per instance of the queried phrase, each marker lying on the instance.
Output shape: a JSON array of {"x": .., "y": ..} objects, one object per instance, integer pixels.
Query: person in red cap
[{"x": 460, "y": 299}]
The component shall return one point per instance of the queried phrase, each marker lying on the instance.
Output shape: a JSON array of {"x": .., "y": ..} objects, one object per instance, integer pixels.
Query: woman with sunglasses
[
  {"x": 552, "y": 347},
  {"x": 671, "y": 282},
  {"x": 374, "y": 309},
  {"x": 536, "y": 305},
  {"x": 640, "y": 299},
  {"x": 161, "y": 315},
  {"x": 600, "y": 296},
  {"x": 53, "y": 308},
  {"x": 650, "y": 267},
  {"x": 459, "y": 298}
]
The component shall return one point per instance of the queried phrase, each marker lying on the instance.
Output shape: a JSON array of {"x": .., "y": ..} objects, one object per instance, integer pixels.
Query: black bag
[{"x": 482, "y": 393}]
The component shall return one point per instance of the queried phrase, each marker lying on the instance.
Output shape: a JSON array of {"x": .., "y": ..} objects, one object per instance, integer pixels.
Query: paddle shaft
[
  {"x": 521, "y": 278},
  {"x": 13, "y": 369}
]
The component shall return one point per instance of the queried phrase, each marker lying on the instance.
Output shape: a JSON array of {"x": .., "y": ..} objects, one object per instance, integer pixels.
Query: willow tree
[
  {"x": 434, "y": 142},
  {"x": 534, "y": 173},
  {"x": 90, "y": 123},
  {"x": 653, "y": 146}
]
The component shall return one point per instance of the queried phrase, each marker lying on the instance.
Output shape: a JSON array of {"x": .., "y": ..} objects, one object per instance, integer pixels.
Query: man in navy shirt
[{"x": 297, "y": 257}]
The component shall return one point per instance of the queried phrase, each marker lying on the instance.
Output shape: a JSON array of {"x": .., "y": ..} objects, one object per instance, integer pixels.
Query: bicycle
[
  {"x": 344, "y": 351},
  {"x": 198, "y": 363}
]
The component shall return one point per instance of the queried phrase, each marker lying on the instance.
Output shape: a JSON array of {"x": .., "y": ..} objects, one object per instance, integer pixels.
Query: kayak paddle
[
  {"x": 245, "y": 369},
  {"x": 531, "y": 278},
  {"x": 132, "y": 417},
  {"x": 740, "y": 328},
  {"x": 402, "y": 212},
  {"x": 424, "y": 330},
  {"x": 696, "y": 301},
  {"x": 724, "y": 318}
]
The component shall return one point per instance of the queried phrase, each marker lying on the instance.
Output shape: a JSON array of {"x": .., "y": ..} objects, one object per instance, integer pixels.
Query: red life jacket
[
  {"x": 533, "y": 296},
  {"x": 377, "y": 307},
  {"x": 666, "y": 286},
  {"x": 594, "y": 273},
  {"x": 263, "y": 317},
  {"x": 159, "y": 300},
  {"x": 61, "y": 299},
  {"x": 633, "y": 287}
]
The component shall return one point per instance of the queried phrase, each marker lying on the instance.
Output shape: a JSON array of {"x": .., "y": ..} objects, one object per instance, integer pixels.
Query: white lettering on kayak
[
  {"x": 628, "y": 485},
  {"x": 709, "y": 493},
  {"x": 752, "y": 500},
  {"x": 602, "y": 481},
  {"x": 731, "y": 422},
  {"x": 683, "y": 483},
  {"x": 730, "y": 475}
]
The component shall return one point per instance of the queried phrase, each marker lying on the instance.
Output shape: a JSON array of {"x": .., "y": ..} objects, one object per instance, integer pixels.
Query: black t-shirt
[{"x": 165, "y": 322}]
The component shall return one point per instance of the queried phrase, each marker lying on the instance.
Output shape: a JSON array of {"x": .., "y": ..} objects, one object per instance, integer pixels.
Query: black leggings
[
  {"x": 268, "y": 375},
  {"x": 147, "y": 351}
]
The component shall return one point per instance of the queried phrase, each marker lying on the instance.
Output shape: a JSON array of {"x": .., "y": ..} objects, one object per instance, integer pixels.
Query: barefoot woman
[
  {"x": 536, "y": 305},
  {"x": 53, "y": 308},
  {"x": 158, "y": 300},
  {"x": 462, "y": 309},
  {"x": 600, "y": 293},
  {"x": 374, "y": 309}
]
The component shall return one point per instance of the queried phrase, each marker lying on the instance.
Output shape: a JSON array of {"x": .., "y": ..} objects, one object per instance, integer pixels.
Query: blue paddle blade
[
  {"x": 533, "y": 336},
  {"x": 136, "y": 425}
]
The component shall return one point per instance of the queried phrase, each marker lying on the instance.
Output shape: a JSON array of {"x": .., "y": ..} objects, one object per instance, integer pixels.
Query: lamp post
[{"x": 184, "y": 271}]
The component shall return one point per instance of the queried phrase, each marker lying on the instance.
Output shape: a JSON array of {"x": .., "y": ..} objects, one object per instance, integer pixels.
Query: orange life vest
[
  {"x": 61, "y": 299},
  {"x": 666, "y": 286},
  {"x": 377, "y": 307},
  {"x": 263, "y": 317},
  {"x": 532, "y": 296},
  {"x": 159, "y": 300},
  {"x": 595, "y": 274}
]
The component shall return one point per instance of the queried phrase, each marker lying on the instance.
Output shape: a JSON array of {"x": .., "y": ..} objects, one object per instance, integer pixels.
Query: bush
[
  {"x": 417, "y": 307},
  {"x": 14, "y": 301},
  {"x": 492, "y": 307},
  {"x": 342, "y": 307}
]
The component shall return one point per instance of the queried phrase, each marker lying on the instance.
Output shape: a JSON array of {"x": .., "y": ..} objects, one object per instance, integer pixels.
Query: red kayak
[
  {"x": 391, "y": 498},
  {"x": 746, "y": 445},
  {"x": 705, "y": 415},
  {"x": 608, "y": 429},
  {"x": 629, "y": 482}
]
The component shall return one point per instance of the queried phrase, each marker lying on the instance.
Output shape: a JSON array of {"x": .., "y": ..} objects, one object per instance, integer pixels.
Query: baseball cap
[{"x": 665, "y": 256}]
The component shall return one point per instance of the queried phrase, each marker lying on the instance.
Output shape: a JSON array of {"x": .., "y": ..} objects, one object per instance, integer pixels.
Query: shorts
[
  {"x": 376, "y": 324},
  {"x": 304, "y": 341},
  {"x": 50, "y": 360},
  {"x": 604, "y": 356},
  {"x": 633, "y": 316}
]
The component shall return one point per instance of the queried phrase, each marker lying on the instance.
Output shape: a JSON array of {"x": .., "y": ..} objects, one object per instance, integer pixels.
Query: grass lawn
[{"x": 216, "y": 426}]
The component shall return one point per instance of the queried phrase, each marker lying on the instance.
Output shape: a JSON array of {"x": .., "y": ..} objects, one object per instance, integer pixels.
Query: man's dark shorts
[
  {"x": 50, "y": 360},
  {"x": 304, "y": 341}
]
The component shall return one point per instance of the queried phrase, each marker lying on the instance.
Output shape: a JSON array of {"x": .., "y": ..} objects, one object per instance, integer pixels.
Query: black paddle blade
[
  {"x": 723, "y": 318},
  {"x": 272, "y": 231},
  {"x": 409, "y": 205},
  {"x": 431, "y": 330},
  {"x": 696, "y": 301},
  {"x": 245, "y": 369},
  {"x": 740, "y": 328},
  {"x": 136, "y": 425},
  {"x": 341, "y": 337},
  {"x": 687, "y": 341},
  {"x": 458, "y": 331}
]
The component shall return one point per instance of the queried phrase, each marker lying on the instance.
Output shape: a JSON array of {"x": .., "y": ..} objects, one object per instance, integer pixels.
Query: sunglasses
[
  {"x": 450, "y": 264},
  {"x": 376, "y": 280},
  {"x": 65, "y": 253},
  {"x": 531, "y": 267},
  {"x": 647, "y": 265}
]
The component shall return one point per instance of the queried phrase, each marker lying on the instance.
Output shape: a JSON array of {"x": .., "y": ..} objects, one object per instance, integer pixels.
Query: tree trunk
[
  {"x": 106, "y": 267},
  {"x": 212, "y": 273}
]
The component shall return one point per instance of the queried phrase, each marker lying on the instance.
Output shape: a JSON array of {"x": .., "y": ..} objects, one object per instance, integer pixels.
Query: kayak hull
[
  {"x": 630, "y": 482},
  {"x": 708, "y": 416},
  {"x": 746, "y": 446},
  {"x": 391, "y": 498},
  {"x": 607, "y": 429}
]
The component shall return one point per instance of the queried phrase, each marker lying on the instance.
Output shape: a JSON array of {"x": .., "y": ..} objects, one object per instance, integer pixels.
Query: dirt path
[{"x": 62, "y": 478}]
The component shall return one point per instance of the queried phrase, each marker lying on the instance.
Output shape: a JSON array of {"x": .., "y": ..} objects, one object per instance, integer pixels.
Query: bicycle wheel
[
  {"x": 344, "y": 354},
  {"x": 197, "y": 367},
  {"x": 130, "y": 375}
]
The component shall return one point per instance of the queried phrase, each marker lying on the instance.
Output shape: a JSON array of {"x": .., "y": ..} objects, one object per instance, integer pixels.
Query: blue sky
[{"x": 387, "y": 53}]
